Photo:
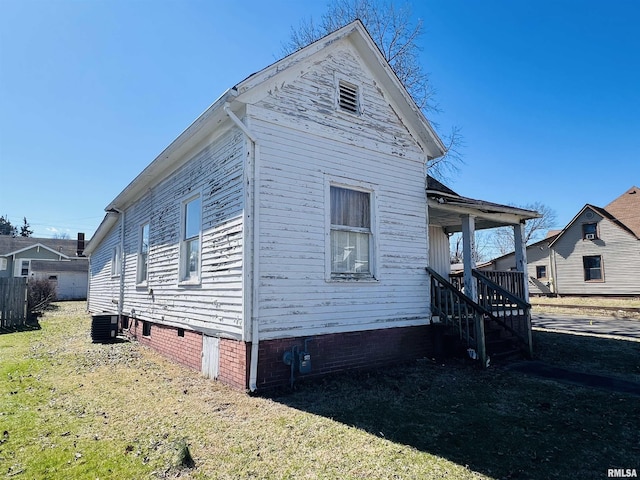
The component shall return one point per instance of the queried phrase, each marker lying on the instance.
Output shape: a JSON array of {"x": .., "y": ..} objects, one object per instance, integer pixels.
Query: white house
[{"x": 286, "y": 230}]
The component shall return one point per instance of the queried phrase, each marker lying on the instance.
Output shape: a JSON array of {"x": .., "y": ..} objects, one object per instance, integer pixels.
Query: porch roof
[{"x": 446, "y": 208}]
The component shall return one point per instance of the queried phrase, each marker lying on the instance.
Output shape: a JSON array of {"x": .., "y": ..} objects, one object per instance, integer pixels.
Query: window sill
[
  {"x": 190, "y": 283},
  {"x": 346, "y": 278}
]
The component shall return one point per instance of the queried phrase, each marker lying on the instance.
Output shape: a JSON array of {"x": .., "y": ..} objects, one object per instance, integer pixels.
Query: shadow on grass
[
  {"x": 501, "y": 423},
  {"x": 25, "y": 327}
]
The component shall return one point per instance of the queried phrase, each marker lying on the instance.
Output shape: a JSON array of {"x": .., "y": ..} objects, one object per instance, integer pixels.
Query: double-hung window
[
  {"x": 22, "y": 267},
  {"x": 190, "y": 245},
  {"x": 143, "y": 254},
  {"x": 351, "y": 233},
  {"x": 592, "y": 268}
]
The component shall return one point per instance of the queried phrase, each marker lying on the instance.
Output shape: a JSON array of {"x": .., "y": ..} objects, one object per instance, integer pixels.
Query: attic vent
[{"x": 348, "y": 97}]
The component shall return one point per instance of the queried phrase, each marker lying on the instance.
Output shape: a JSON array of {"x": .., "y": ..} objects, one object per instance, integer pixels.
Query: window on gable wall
[
  {"x": 592, "y": 268},
  {"x": 143, "y": 254},
  {"x": 351, "y": 234},
  {"x": 190, "y": 247},
  {"x": 541, "y": 271},
  {"x": 589, "y": 231}
]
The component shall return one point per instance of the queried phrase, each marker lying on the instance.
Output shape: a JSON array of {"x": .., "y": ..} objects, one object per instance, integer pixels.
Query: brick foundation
[
  {"x": 344, "y": 351},
  {"x": 234, "y": 363},
  {"x": 186, "y": 350},
  {"x": 329, "y": 353}
]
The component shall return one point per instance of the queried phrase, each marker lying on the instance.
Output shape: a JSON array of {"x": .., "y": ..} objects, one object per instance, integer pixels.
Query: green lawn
[{"x": 72, "y": 409}]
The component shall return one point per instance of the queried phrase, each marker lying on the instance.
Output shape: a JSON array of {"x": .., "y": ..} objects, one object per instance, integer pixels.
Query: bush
[{"x": 40, "y": 294}]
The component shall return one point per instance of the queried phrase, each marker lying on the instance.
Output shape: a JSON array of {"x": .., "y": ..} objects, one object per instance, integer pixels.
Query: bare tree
[
  {"x": 397, "y": 35},
  {"x": 503, "y": 239},
  {"x": 481, "y": 247},
  {"x": 61, "y": 236}
]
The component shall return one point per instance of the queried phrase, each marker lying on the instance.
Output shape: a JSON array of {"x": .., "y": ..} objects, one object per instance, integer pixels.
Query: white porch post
[
  {"x": 468, "y": 259},
  {"x": 470, "y": 285},
  {"x": 521, "y": 257},
  {"x": 521, "y": 266}
]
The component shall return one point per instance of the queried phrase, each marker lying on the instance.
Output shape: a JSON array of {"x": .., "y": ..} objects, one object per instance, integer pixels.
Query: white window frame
[
  {"x": 372, "y": 275},
  {"x": 338, "y": 78},
  {"x": 18, "y": 267},
  {"x": 183, "y": 276},
  {"x": 116, "y": 261},
  {"x": 3, "y": 263},
  {"x": 142, "y": 274}
]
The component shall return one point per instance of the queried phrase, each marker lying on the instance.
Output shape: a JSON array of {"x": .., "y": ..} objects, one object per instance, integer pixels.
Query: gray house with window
[
  {"x": 597, "y": 253},
  {"x": 59, "y": 261}
]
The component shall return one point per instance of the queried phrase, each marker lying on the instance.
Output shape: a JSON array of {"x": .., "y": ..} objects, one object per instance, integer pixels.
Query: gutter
[{"x": 255, "y": 274}]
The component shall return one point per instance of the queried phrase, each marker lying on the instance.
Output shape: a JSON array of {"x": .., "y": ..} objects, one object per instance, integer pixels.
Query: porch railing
[
  {"x": 495, "y": 303},
  {"x": 510, "y": 311},
  {"x": 456, "y": 310},
  {"x": 512, "y": 282}
]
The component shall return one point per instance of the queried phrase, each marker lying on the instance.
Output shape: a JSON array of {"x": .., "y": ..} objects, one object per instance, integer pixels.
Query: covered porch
[{"x": 488, "y": 311}]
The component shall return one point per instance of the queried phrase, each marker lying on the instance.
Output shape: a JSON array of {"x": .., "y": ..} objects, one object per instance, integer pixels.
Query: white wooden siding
[
  {"x": 439, "y": 251},
  {"x": 305, "y": 144},
  {"x": 620, "y": 253},
  {"x": 215, "y": 305},
  {"x": 104, "y": 289}
]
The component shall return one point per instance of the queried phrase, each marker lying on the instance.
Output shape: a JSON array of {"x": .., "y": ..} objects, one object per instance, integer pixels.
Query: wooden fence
[{"x": 13, "y": 302}]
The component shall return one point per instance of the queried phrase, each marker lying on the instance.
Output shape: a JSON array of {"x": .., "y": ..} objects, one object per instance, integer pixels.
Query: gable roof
[
  {"x": 386, "y": 79},
  {"x": 600, "y": 211},
  {"x": 15, "y": 245},
  {"x": 623, "y": 212},
  {"x": 233, "y": 99},
  {"x": 626, "y": 210}
]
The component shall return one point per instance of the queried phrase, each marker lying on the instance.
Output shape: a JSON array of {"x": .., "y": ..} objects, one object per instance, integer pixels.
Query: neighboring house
[
  {"x": 538, "y": 265},
  {"x": 289, "y": 217},
  {"x": 59, "y": 261},
  {"x": 597, "y": 253}
]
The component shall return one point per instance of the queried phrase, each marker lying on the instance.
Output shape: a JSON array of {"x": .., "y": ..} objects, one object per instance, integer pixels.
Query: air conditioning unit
[{"x": 590, "y": 236}]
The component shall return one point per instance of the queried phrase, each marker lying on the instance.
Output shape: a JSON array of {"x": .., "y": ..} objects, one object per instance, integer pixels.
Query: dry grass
[
  {"x": 589, "y": 306},
  {"x": 73, "y": 409}
]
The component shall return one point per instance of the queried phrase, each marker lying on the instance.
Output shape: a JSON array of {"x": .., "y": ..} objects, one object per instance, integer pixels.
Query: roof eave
[
  {"x": 104, "y": 228},
  {"x": 166, "y": 161}
]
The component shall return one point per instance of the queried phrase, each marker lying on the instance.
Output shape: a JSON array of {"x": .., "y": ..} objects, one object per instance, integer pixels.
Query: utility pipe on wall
[
  {"x": 122, "y": 261},
  {"x": 253, "y": 366}
]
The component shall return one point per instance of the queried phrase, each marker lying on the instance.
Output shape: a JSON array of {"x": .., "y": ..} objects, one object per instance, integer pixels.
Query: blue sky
[{"x": 546, "y": 93}]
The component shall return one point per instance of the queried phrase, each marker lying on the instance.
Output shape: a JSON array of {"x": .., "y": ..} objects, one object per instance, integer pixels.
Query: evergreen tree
[
  {"x": 6, "y": 228},
  {"x": 25, "y": 230}
]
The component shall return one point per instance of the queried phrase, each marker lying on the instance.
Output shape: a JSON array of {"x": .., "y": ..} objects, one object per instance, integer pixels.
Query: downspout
[
  {"x": 253, "y": 365},
  {"x": 122, "y": 257},
  {"x": 88, "y": 307}
]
